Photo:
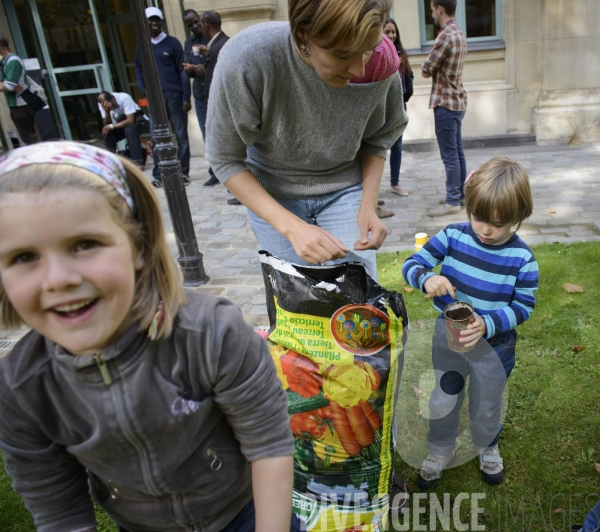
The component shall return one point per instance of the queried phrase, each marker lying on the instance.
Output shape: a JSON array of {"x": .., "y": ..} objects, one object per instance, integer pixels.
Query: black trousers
[
  {"x": 24, "y": 118},
  {"x": 132, "y": 134}
]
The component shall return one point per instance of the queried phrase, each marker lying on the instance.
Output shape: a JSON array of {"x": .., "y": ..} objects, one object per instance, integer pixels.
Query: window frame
[{"x": 462, "y": 22}]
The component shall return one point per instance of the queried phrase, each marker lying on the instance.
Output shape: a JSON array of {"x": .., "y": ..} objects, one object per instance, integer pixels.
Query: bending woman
[{"x": 299, "y": 144}]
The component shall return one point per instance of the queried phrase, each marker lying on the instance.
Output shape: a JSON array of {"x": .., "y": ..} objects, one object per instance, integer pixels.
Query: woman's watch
[{"x": 112, "y": 126}]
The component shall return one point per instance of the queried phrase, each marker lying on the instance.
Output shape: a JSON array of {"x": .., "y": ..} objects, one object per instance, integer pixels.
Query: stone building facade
[{"x": 533, "y": 66}]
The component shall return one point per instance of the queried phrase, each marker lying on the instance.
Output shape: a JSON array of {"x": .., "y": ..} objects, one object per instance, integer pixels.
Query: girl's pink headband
[{"x": 99, "y": 162}]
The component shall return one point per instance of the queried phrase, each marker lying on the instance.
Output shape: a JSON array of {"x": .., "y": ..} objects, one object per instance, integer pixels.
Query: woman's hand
[
  {"x": 368, "y": 221},
  {"x": 438, "y": 286},
  {"x": 473, "y": 332},
  {"x": 315, "y": 245}
]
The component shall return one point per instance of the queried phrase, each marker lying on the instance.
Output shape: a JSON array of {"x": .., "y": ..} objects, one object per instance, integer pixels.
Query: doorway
[{"x": 83, "y": 47}]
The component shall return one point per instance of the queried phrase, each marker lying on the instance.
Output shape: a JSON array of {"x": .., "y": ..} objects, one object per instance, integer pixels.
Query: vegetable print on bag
[{"x": 336, "y": 338}]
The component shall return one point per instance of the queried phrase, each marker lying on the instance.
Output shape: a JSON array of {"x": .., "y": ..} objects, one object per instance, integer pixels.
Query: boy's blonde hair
[
  {"x": 499, "y": 192},
  {"x": 158, "y": 280},
  {"x": 336, "y": 23}
]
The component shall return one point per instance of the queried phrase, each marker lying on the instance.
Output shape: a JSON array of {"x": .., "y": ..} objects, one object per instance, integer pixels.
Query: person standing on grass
[
  {"x": 175, "y": 86},
  {"x": 406, "y": 74},
  {"x": 444, "y": 65},
  {"x": 484, "y": 263}
]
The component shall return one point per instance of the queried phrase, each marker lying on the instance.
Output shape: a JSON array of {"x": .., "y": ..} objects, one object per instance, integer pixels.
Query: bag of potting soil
[{"x": 336, "y": 338}]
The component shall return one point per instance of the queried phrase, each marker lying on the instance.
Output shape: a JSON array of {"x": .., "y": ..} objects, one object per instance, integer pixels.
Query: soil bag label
[{"x": 337, "y": 341}]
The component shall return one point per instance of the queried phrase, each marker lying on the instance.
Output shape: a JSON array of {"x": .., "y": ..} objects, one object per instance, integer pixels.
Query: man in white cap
[{"x": 175, "y": 85}]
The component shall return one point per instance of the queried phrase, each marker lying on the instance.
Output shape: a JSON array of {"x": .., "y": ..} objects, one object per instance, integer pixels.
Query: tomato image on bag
[{"x": 336, "y": 337}]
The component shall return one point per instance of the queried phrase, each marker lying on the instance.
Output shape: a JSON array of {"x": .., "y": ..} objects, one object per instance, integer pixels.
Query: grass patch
[{"x": 551, "y": 437}]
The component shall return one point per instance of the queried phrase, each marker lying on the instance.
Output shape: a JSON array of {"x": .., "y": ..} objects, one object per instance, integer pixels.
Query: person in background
[
  {"x": 195, "y": 63},
  {"x": 123, "y": 119},
  {"x": 211, "y": 27},
  {"x": 444, "y": 65},
  {"x": 391, "y": 30},
  {"x": 175, "y": 86},
  {"x": 12, "y": 83}
]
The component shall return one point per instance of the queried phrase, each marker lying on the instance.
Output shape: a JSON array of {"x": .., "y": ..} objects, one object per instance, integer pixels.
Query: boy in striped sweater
[{"x": 484, "y": 263}]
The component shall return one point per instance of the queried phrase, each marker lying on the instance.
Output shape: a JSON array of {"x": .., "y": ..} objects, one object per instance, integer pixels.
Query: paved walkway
[{"x": 566, "y": 191}]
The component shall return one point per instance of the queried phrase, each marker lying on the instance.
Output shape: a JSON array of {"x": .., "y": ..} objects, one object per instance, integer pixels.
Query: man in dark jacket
[
  {"x": 195, "y": 61},
  {"x": 211, "y": 28},
  {"x": 175, "y": 86}
]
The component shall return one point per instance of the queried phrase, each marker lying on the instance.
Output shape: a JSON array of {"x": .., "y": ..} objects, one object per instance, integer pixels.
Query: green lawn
[
  {"x": 552, "y": 428},
  {"x": 551, "y": 437}
]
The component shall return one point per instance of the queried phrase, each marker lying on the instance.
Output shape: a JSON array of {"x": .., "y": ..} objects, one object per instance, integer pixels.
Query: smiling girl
[
  {"x": 486, "y": 264},
  {"x": 161, "y": 402}
]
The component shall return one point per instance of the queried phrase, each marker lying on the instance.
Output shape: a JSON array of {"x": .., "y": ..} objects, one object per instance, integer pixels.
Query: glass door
[{"x": 76, "y": 61}]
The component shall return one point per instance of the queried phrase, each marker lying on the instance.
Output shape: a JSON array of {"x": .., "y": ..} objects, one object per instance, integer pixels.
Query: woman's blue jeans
[
  {"x": 489, "y": 365},
  {"x": 395, "y": 161},
  {"x": 335, "y": 212}
]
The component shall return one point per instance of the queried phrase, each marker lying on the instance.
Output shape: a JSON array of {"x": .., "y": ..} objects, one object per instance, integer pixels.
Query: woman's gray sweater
[{"x": 270, "y": 113}]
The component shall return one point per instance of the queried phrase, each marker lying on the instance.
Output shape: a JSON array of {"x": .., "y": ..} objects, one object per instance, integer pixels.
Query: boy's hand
[
  {"x": 438, "y": 286},
  {"x": 473, "y": 332}
]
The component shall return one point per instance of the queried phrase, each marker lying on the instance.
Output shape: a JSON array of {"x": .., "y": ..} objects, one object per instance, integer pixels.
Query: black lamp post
[{"x": 190, "y": 258}]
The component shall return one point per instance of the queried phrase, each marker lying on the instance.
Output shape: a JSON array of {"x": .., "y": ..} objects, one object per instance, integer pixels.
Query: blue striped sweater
[{"x": 499, "y": 281}]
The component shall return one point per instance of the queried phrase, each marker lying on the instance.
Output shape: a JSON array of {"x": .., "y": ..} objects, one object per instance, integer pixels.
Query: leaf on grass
[
  {"x": 554, "y": 355},
  {"x": 417, "y": 391},
  {"x": 417, "y": 324},
  {"x": 408, "y": 289},
  {"x": 383, "y": 269},
  {"x": 538, "y": 353},
  {"x": 419, "y": 413},
  {"x": 557, "y": 510},
  {"x": 573, "y": 288},
  {"x": 578, "y": 348},
  {"x": 597, "y": 468}
]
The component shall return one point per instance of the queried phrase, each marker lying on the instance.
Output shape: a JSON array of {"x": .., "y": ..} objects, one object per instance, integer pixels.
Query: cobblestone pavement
[{"x": 566, "y": 191}]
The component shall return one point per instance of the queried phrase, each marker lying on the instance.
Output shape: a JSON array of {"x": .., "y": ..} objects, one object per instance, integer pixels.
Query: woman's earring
[{"x": 305, "y": 50}]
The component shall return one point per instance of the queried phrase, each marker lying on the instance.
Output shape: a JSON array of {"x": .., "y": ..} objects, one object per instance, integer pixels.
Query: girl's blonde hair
[
  {"x": 158, "y": 280},
  {"x": 499, "y": 192},
  {"x": 336, "y": 23}
]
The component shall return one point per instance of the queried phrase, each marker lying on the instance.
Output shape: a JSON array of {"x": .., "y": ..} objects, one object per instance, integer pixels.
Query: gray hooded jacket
[{"x": 163, "y": 431}]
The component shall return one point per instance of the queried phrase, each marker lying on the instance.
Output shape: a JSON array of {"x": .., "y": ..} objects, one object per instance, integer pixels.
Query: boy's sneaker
[
  {"x": 431, "y": 470},
  {"x": 491, "y": 465}
]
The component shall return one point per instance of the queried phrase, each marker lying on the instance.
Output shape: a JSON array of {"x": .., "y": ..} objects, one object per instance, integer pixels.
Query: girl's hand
[
  {"x": 473, "y": 332},
  {"x": 438, "y": 286},
  {"x": 315, "y": 245},
  {"x": 368, "y": 221}
]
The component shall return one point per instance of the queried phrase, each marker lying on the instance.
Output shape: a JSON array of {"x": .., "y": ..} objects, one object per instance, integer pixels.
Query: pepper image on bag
[{"x": 336, "y": 337}]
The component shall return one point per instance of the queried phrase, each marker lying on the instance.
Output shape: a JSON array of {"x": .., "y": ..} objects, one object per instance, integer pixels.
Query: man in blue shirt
[{"x": 175, "y": 86}]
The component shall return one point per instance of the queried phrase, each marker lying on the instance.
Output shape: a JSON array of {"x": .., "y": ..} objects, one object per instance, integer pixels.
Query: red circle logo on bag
[{"x": 360, "y": 329}]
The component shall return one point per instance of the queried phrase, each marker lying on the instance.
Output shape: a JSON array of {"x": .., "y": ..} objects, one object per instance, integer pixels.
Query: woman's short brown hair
[
  {"x": 336, "y": 23},
  {"x": 499, "y": 192},
  {"x": 158, "y": 280}
]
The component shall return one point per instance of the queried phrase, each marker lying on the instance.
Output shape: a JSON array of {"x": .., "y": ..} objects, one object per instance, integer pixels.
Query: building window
[{"x": 480, "y": 20}]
